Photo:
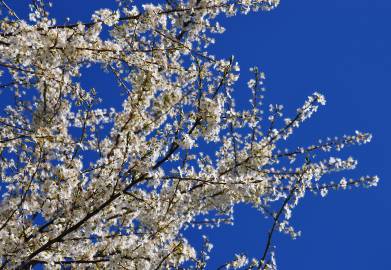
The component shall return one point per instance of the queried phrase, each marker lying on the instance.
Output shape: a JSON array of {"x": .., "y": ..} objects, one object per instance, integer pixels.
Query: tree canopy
[{"x": 89, "y": 186}]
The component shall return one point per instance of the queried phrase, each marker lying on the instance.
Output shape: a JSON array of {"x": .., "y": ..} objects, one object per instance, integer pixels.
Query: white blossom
[{"x": 92, "y": 187}]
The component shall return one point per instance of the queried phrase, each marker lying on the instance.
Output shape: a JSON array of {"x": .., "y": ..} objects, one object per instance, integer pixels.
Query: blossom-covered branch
[{"x": 89, "y": 186}]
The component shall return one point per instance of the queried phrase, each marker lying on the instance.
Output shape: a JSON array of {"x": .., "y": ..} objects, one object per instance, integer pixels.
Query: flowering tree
[{"x": 85, "y": 186}]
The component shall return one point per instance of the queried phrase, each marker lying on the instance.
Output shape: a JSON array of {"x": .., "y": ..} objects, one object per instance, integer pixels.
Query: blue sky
[{"x": 343, "y": 50}]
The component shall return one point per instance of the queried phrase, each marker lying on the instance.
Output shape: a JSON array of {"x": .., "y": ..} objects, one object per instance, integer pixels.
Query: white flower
[
  {"x": 343, "y": 183},
  {"x": 239, "y": 262},
  {"x": 106, "y": 16},
  {"x": 187, "y": 142},
  {"x": 251, "y": 83},
  {"x": 323, "y": 192}
]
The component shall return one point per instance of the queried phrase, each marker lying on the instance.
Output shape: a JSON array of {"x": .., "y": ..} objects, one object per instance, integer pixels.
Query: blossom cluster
[{"x": 91, "y": 187}]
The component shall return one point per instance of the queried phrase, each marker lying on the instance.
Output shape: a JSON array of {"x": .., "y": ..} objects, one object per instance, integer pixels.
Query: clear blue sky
[{"x": 342, "y": 49}]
